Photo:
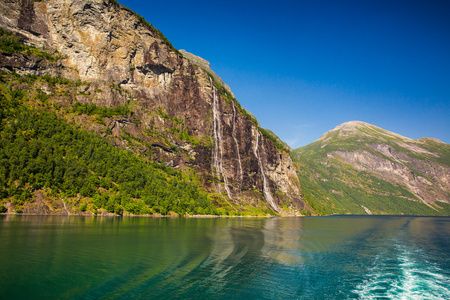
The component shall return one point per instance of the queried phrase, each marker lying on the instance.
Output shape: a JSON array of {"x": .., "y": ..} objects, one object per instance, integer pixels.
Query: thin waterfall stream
[
  {"x": 266, "y": 191},
  {"x": 237, "y": 146},
  {"x": 217, "y": 156}
]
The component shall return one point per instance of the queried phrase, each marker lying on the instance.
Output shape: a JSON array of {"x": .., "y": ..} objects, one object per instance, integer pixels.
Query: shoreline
[{"x": 145, "y": 216}]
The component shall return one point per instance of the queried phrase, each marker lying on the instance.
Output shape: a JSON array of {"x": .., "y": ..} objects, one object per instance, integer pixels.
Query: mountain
[
  {"x": 359, "y": 168},
  {"x": 108, "y": 73}
]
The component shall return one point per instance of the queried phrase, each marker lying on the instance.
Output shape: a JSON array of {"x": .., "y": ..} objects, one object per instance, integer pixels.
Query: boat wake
[{"x": 404, "y": 274}]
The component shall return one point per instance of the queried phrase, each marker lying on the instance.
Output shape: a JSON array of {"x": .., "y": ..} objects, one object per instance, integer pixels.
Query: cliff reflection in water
[{"x": 46, "y": 257}]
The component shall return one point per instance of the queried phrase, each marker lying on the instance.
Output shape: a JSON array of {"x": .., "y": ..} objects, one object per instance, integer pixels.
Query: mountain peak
[
  {"x": 350, "y": 128},
  {"x": 353, "y": 124},
  {"x": 433, "y": 140},
  {"x": 363, "y": 129}
]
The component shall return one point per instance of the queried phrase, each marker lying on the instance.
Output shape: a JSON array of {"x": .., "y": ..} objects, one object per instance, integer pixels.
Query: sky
[{"x": 304, "y": 67}]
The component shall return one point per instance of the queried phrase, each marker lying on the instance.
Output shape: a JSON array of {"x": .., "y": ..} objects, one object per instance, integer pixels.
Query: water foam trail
[
  {"x": 408, "y": 275},
  {"x": 266, "y": 191},
  {"x": 217, "y": 155},
  {"x": 233, "y": 133}
]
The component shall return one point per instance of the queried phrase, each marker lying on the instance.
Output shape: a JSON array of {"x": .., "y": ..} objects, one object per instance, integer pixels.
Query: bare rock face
[
  {"x": 405, "y": 171},
  {"x": 401, "y": 160},
  {"x": 181, "y": 116},
  {"x": 205, "y": 65}
]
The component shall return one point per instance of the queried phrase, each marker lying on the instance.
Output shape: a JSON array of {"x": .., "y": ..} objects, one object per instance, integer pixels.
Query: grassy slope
[{"x": 333, "y": 187}]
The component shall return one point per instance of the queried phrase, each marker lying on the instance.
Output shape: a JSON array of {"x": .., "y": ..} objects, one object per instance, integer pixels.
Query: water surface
[{"x": 367, "y": 257}]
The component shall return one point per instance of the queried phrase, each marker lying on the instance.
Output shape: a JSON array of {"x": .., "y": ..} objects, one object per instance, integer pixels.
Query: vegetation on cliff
[
  {"x": 41, "y": 151},
  {"x": 11, "y": 43}
]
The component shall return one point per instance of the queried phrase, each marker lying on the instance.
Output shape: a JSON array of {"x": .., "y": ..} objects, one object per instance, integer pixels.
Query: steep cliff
[
  {"x": 181, "y": 113},
  {"x": 360, "y": 168}
]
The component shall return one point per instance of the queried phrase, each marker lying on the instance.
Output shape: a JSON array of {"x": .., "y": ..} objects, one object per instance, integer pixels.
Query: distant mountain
[{"x": 359, "y": 168}]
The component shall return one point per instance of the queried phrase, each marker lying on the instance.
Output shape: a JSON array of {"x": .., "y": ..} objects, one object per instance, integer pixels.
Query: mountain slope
[
  {"x": 360, "y": 168},
  {"x": 106, "y": 70}
]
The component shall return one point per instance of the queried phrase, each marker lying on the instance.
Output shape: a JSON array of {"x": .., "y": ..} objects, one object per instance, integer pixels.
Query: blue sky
[{"x": 304, "y": 67}]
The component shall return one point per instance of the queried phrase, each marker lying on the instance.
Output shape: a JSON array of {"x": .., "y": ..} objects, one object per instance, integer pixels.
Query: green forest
[{"x": 40, "y": 151}]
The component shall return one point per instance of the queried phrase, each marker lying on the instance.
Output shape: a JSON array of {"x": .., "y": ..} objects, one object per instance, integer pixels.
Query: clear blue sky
[{"x": 304, "y": 67}]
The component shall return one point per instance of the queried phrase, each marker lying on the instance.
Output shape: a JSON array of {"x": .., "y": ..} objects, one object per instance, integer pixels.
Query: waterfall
[
  {"x": 266, "y": 191},
  {"x": 65, "y": 206},
  {"x": 237, "y": 146},
  {"x": 217, "y": 154},
  {"x": 367, "y": 210}
]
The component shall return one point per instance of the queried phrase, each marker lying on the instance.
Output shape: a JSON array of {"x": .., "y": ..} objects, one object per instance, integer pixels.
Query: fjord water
[{"x": 340, "y": 257}]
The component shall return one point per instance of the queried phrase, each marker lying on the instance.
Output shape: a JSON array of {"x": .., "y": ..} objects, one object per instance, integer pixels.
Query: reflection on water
[{"x": 45, "y": 257}]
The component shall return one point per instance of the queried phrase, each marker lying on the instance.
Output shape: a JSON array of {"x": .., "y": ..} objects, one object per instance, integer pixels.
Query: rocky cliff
[
  {"x": 360, "y": 168},
  {"x": 182, "y": 114}
]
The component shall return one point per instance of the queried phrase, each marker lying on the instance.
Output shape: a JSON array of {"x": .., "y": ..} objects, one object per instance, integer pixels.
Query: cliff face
[
  {"x": 358, "y": 168},
  {"x": 182, "y": 115}
]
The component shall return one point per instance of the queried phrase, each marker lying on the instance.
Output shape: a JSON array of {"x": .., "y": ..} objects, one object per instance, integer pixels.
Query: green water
[{"x": 47, "y": 257}]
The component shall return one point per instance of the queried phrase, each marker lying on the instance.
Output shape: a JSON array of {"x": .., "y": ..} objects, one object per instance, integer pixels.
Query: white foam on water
[{"x": 409, "y": 276}]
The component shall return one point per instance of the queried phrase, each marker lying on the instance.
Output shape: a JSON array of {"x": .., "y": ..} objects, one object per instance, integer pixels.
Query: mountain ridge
[{"x": 353, "y": 160}]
